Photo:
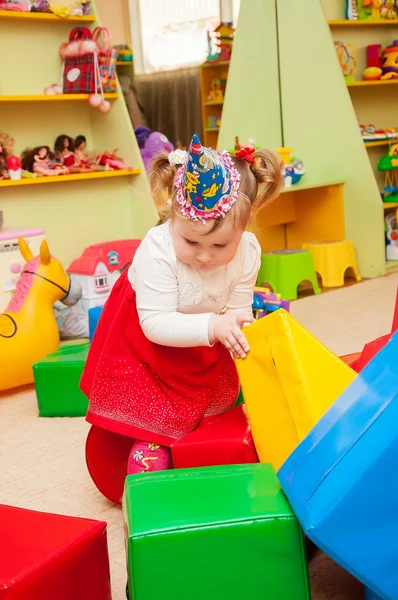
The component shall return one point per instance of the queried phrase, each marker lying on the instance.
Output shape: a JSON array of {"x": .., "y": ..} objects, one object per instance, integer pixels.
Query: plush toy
[{"x": 151, "y": 143}]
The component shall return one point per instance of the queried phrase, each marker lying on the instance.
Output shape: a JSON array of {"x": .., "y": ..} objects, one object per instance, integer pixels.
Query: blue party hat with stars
[{"x": 208, "y": 183}]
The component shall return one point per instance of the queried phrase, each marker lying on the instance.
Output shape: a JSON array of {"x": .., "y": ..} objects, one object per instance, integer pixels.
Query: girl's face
[
  {"x": 195, "y": 246},
  {"x": 43, "y": 153}
]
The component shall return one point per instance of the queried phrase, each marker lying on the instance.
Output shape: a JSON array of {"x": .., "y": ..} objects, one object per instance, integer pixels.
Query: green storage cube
[
  {"x": 57, "y": 379},
  {"x": 213, "y": 533}
]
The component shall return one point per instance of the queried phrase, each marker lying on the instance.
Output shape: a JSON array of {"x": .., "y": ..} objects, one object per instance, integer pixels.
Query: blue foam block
[
  {"x": 93, "y": 318},
  {"x": 369, "y": 595},
  {"x": 342, "y": 480}
]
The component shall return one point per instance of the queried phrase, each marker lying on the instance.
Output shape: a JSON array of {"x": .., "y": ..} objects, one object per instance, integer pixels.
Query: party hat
[{"x": 208, "y": 183}]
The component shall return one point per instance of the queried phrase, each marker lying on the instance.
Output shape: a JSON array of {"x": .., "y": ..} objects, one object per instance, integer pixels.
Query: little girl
[{"x": 161, "y": 358}]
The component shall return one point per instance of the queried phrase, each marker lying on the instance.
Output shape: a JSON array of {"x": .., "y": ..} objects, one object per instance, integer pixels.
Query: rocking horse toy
[{"x": 28, "y": 329}]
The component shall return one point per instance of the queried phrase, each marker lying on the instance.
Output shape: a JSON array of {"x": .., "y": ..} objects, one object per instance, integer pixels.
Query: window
[
  {"x": 173, "y": 34},
  {"x": 101, "y": 282}
]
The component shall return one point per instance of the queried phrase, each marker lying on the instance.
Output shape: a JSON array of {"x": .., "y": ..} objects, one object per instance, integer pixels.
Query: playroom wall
[{"x": 114, "y": 14}]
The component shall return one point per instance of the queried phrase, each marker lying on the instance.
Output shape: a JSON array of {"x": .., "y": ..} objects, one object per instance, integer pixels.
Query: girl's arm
[
  {"x": 154, "y": 278},
  {"x": 240, "y": 300}
]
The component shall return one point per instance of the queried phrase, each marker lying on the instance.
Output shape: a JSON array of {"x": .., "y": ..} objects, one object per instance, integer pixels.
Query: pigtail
[
  {"x": 161, "y": 179},
  {"x": 267, "y": 170}
]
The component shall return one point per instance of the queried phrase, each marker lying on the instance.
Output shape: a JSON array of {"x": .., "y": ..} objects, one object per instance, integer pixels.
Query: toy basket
[
  {"x": 80, "y": 59},
  {"x": 107, "y": 58}
]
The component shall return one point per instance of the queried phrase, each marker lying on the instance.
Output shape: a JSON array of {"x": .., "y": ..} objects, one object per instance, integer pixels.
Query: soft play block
[
  {"x": 342, "y": 479},
  {"x": 289, "y": 380},
  {"x": 57, "y": 380},
  {"x": 52, "y": 557},
  {"x": 93, "y": 318},
  {"x": 215, "y": 533},
  {"x": 222, "y": 440}
]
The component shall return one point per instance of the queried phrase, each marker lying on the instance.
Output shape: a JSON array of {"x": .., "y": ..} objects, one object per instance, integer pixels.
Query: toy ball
[
  {"x": 104, "y": 107},
  {"x": 372, "y": 73},
  {"x": 94, "y": 100}
]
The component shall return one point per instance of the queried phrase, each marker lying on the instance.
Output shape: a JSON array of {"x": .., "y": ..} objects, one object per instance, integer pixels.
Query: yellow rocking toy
[{"x": 28, "y": 329}]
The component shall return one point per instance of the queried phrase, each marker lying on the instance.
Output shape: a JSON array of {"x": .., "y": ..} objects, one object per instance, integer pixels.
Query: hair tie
[
  {"x": 247, "y": 154},
  {"x": 178, "y": 157}
]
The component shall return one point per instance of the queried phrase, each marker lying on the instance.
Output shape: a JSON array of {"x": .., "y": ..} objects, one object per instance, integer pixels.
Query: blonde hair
[{"x": 260, "y": 182}]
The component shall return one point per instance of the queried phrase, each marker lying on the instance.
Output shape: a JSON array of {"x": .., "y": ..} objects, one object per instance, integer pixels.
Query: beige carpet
[{"x": 42, "y": 463}]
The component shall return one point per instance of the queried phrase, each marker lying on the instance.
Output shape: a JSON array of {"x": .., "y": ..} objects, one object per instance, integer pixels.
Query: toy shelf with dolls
[
  {"x": 42, "y": 17},
  {"x": 71, "y": 177},
  {"x": 106, "y": 193}
]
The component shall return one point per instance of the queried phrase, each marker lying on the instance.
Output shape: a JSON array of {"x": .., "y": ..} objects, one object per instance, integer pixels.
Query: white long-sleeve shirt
[{"x": 175, "y": 301}]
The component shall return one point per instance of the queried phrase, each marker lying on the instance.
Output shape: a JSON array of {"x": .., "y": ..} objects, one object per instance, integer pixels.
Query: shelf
[
  {"x": 67, "y": 178},
  {"x": 53, "y": 98},
  {"x": 222, "y": 63},
  {"x": 302, "y": 186},
  {"x": 9, "y": 15},
  {"x": 392, "y": 266},
  {"x": 362, "y": 23},
  {"x": 388, "y": 205},
  {"x": 124, "y": 63},
  {"x": 214, "y": 103},
  {"x": 372, "y": 83},
  {"x": 208, "y": 129},
  {"x": 388, "y": 142}
]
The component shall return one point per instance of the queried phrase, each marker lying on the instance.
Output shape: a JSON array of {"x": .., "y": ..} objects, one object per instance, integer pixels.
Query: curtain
[{"x": 171, "y": 102}]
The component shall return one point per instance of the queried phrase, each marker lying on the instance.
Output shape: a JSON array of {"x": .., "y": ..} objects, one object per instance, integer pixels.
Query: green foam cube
[
  {"x": 213, "y": 533},
  {"x": 57, "y": 378}
]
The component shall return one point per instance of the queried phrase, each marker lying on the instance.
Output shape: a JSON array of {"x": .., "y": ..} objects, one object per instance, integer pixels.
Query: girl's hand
[{"x": 227, "y": 330}]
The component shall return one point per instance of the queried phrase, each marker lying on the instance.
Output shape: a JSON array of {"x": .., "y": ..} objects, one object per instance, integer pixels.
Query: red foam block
[
  {"x": 107, "y": 455},
  {"x": 222, "y": 440},
  {"x": 47, "y": 557}
]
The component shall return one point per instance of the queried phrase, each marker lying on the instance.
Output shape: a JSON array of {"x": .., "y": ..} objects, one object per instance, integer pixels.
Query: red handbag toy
[{"x": 80, "y": 66}]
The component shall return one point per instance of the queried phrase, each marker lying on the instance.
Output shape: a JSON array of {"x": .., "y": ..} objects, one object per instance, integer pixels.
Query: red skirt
[{"x": 150, "y": 392}]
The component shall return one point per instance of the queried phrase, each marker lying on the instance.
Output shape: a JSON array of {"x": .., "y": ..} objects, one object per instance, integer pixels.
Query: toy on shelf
[
  {"x": 389, "y": 165},
  {"x": 390, "y": 62},
  {"x": 220, "y": 43},
  {"x": 347, "y": 57},
  {"x": 213, "y": 122},
  {"x": 374, "y": 10},
  {"x": 6, "y": 151},
  {"x": 42, "y": 162},
  {"x": 392, "y": 236},
  {"x": 97, "y": 269},
  {"x": 369, "y": 133},
  {"x": 266, "y": 302},
  {"x": 216, "y": 93},
  {"x": 292, "y": 168},
  {"x": 124, "y": 53},
  {"x": 107, "y": 57},
  {"x": 151, "y": 143},
  {"x": 351, "y": 12},
  {"x": 28, "y": 329},
  {"x": 373, "y": 71}
]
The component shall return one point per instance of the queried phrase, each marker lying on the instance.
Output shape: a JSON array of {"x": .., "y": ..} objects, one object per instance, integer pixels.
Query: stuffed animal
[{"x": 151, "y": 143}]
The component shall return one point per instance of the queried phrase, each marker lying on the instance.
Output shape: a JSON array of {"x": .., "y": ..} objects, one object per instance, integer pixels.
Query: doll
[
  {"x": 6, "y": 150},
  {"x": 110, "y": 160},
  {"x": 40, "y": 161},
  {"x": 64, "y": 150},
  {"x": 86, "y": 160}
]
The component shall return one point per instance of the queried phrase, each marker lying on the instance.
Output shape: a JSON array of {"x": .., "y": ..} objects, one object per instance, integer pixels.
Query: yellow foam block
[{"x": 289, "y": 380}]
